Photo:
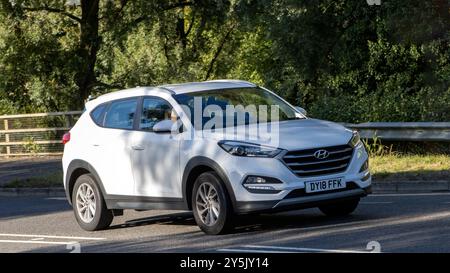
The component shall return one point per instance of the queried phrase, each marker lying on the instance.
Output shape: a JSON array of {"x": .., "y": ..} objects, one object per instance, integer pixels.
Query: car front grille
[{"x": 303, "y": 163}]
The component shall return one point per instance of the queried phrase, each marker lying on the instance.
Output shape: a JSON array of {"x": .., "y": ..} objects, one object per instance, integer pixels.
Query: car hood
[{"x": 290, "y": 135}]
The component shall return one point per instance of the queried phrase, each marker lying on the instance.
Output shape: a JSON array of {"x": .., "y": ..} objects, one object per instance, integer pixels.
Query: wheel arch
[
  {"x": 195, "y": 167},
  {"x": 77, "y": 168}
]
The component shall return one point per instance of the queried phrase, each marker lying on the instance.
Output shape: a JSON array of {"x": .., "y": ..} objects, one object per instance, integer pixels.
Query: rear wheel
[
  {"x": 89, "y": 206},
  {"x": 210, "y": 204},
  {"x": 341, "y": 208}
]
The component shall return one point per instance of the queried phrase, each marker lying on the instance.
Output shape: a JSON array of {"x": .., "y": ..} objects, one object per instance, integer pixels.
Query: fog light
[
  {"x": 261, "y": 180},
  {"x": 364, "y": 166},
  {"x": 255, "y": 184},
  {"x": 255, "y": 180}
]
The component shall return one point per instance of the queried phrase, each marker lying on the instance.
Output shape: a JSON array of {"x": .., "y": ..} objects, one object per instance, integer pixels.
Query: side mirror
[
  {"x": 165, "y": 126},
  {"x": 301, "y": 110}
]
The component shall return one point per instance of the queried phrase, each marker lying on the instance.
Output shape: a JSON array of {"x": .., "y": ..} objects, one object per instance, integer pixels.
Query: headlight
[
  {"x": 364, "y": 166},
  {"x": 248, "y": 149},
  {"x": 355, "y": 139}
]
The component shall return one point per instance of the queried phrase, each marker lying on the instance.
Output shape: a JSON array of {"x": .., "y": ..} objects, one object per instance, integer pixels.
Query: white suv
[{"x": 155, "y": 148}]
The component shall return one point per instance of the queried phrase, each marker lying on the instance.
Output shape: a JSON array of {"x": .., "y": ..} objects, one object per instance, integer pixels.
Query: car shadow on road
[
  {"x": 251, "y": 223},
  {"x": 292, "y": 220},
  {"x": 250, "y": 229},
  {"x": 181, "y": 218}
]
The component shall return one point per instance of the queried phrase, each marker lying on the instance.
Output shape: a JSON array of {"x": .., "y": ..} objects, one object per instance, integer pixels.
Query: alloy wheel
[
  {"x": 208, "y": 204},
  {"x": 85, "y": 202}
]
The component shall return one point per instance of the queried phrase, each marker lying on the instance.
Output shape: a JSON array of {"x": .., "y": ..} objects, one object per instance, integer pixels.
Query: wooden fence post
[
  {"x": 69, "y": 121},
  {"x": 8, "y": 148}
]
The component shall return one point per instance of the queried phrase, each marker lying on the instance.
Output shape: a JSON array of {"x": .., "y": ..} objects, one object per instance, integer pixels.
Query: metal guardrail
[
  {"x": 404, "y": 131},
  {"x": 30, "y": 134}
]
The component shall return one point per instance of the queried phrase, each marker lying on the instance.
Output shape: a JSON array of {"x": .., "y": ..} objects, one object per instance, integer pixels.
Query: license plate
[{"x": 324, "y": 185}]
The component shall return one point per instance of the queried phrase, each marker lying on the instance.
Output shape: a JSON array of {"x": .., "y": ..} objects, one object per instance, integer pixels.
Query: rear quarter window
[{"x": 98, "y": 113}]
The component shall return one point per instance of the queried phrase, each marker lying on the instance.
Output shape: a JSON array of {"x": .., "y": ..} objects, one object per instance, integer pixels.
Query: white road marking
[
  {"x": 280, "y": 249},
  {"x": 304, "y": 249},
  {"x": 50, "y": 237},
  {"x": 57, "y": 198},
  {"x": 374, "y": 202},
  {"x": 36, "y": 242},
  {"x": 409, "y": 194},
  {"x": 37, "y": 239},
  {"x": 251, "y": 251}
]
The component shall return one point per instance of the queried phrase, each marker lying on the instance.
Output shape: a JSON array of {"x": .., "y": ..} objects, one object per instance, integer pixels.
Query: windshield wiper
[{"x": 293, "y": 118}]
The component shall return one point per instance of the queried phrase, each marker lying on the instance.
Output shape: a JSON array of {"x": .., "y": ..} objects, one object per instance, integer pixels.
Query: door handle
[
  {"x": 137, "y": 147},
  {"x": 95, "y": 145}
]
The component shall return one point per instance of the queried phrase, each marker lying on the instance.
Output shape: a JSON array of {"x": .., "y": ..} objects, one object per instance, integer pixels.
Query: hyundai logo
[{"x": 321, "y": 154}]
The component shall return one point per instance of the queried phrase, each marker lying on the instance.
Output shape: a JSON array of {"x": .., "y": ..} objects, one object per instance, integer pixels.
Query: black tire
[
  {"x": 224, "y": 221},
  {"x": 102, "y": 217},
  {"x": 341, "y": 208}
]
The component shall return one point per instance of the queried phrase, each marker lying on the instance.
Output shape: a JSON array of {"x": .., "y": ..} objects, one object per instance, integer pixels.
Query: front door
[{"x": 155, "y": 156}]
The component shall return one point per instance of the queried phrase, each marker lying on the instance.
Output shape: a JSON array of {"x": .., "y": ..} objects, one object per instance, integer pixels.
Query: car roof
[
  {"x": 173, "y": 89},
  {"x": 189, "y": 87}
]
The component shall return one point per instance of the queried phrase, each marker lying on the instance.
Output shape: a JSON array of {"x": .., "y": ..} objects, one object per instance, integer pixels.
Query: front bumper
[
  {"x": 303, "y": 202},
  {"x": 238, "y": 169}
]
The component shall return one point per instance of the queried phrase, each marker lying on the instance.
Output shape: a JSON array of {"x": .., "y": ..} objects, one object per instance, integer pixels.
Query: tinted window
[
  {"x": 245, "y": 97},
  {"x": 97, "y": 114},
  {"x": 121, "y": 114},
  {"x": 153, "y": 111}
]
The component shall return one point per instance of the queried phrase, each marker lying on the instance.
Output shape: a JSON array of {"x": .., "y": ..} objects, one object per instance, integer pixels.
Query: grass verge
[
  {"x": 410, "y": 167},
  {"x": 51, "y": 180}
]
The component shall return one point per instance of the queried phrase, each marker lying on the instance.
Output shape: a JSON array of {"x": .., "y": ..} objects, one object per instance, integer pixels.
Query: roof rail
[
  {"x": 166, "y": 89},
  {"x": 235, "y": 81}
]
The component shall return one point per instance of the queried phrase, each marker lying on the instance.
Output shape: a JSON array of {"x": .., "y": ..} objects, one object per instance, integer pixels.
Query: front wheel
[
  {"x": 210, "y": 204},
  {"x": 341, "y": 208},
  {"x": 89, "y": 206}
]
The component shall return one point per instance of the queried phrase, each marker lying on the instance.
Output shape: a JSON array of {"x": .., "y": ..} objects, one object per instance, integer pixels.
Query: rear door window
[{"x": 121, "y": 114}]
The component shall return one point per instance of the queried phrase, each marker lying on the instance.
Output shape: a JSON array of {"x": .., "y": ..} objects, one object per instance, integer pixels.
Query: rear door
[{"x": 113, "y": 145}]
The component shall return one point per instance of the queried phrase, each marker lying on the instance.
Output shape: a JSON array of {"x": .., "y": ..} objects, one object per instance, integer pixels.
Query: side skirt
[{"x": 144, "y": 203}]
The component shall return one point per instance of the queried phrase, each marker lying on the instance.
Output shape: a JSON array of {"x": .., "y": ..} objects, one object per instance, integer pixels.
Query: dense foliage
[{"x": 341, "y": 60}]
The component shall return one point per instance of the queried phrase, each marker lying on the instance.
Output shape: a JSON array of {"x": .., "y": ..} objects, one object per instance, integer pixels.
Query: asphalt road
[
  {"x": 22, "y": 168},
  {"x": 395, "y": 223}
]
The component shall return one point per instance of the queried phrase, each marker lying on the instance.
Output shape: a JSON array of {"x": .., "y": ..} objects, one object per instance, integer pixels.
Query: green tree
[{"x": 342, "y": 60}]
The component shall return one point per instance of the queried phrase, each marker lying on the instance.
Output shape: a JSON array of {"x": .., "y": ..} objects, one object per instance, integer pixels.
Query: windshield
[{"x": 232, "y": 107}]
